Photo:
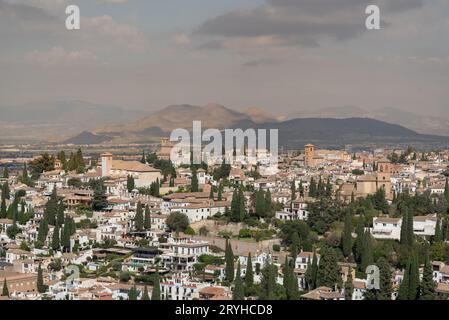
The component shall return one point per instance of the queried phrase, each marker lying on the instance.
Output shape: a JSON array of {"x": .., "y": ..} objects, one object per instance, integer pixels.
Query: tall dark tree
[
  {"x": 329, "y": 270},
  {"x": 147, "y": 218},
  {"x": 3, "y": 209},
  {"x": 238, "y": 293},
  {"x": 143, "y": 160},
  {"x": 51, "y": 208},
  {"x": 438, "y": 231},
  {"x": 130, "y": 183},
  {"x": 293, "y": 193},
  {"x": 409, "y": 288},
  {"x": 301, "y": 189},
  {"x": 100, "y": 200},
  {"x": 367, "y": 253},
  {"x": 132, "y": 294},
  {"x": 60, "y": 213},
  {"x": 229, "y": 260},
  {"x": 268, "y": 282},
  {"x": 428, "y": 286},
  {"x": 6, "y": 192},
  {"x": 55, "y": 244},
  {"x": 145, "y": 295},
  {"x": 5, "y": 172},
  {"x": 349, "y": 286},
  {"x": 5, "y": 291},
  {"x": 194, "y": 183},
  {"x": 220, "y": 192},
  {"x": 260, "y": 204},
  {"x": 41, "y": 287},
  {"x": 156, "y": 293},
  {"x": 43, "y": 231},
  {"x": 386, "y": 289},
  {"x": 249, "y": 274},
  {"x": 347, "y": 235},
  {"x": 211, "y": 193},
  {"x": 138, "y": 219},
  {"x": 312, "y": 188}
]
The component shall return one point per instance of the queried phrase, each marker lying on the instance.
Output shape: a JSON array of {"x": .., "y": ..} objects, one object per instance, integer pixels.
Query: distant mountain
[
  {"x": 181, "y": 116},
  {"x": 421, "y": 123},
  {"x": 326, "y": 132},
  {"x": 85, "y": 138},
  {"x": 58, "y": 119}
]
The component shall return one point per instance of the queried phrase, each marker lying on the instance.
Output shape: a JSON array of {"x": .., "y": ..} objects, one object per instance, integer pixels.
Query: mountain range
[
  {"x": 294, "y": 133},
  {"x": 425, "y": 124}
]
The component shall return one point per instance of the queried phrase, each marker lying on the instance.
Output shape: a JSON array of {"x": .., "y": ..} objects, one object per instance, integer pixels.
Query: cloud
[
  {"x": 58, "y": 56},
  {"x": 181, "y": 39},
  {"x": 106, "y": 28},
  {"x": 298, "y": 22}
]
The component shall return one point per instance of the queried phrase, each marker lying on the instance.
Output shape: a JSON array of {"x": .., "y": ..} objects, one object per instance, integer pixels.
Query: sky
[{"x": 283, "y": 56}]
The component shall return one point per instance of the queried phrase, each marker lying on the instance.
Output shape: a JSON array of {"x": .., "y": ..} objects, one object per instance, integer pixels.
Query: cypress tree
[
  {"x": 5, "y": 172},
  {"x": 367, "y": 253},
  {"x": 100, "y": 200},
  {"x": 359, "y": 241},
  {"x": 328, "y": 270},
  {"x": 132, "y": 294},
  {"x": 130, "y": 183},
  {"x": 293, "y": 193},
  {"x": 260, "y": 204},
  {"x": 427, "y": 289},
  {"x": 3, "y": 210},
  {"x": 287, "y": 277},
  {"x": 249, "y": 274},
  {"x": 308, "y": 275},
  {"x": 268, "y": 203},
  {"x": 268, "y": 282},
  {"x": 242, "y": 206},
  {"x": 211, "y": 194},
  {"x": 349, "y": 286},
  {"x": 438, "y": 232},
  {"x": 238, "y": 293},
  {"x": 143, "y": 160},
  {"x": 410, "y": 234},
  {"x": 347, "y": 235},
  {"x": 147, "y": 219},
  {"x": 312, "y": 188},
  {"x": 414, "y": 279},
  {"x": 41, "y": 287},
  {"x": 404, "y": 226},
  {"x": 156, "y": 293},
  {"x": 138, "y": 219},
  {"x": 43, "y": 231},
  {"x": 60, "y": 213},
  {"x": 145, "y": 295},
  {"x": 229, "y": 260},
  {"x": 5, "y": 292},
  {"x": 55, "y": 245},
  {"x": 294, "y": 246},
  {"x": 386, "y": 289},
  {"x": 220, "y": 193},
  {"x": 194, "y": 182},
  {"x": 314, "y": 271},
  {"x": 446, "y": 190},
  {"x": 51, "y": 208},
  {"x": 6, "y": 193}
]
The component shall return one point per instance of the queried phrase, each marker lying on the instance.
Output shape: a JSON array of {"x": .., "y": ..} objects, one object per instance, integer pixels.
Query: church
[{"x": 143, "y": 174}]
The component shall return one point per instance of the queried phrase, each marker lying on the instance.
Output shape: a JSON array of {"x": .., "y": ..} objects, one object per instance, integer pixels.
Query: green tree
[
  {"x": 293, "y": 193},
  {"x": 99, "y": 201},
  {"x": 138, "y": 219},
  {"x": 5, "y": 292},
  {"x": 147, "y": 218},
  {"x": 312, "y": 188},
  {"x": 60, "y": 213},
  {"x": 55, "y": 244},
  {"x": 260, "y": 204},
  {"x": 349, "y": 286},
  {"x": 347, "y": 235},
  {"x": 43, "y": 231},
  {"x": 130, "y": 183},
  {"x": 132, "y": 294},
  {"x": 194, "y": 183},
  {"x": 211, "y": 194},
  {"x": 41, "y": 287},
  {"x": 177, "y": 221},
  {"x": 367, "y": 253},
  {"x": 5, "y": 172},
  {"x": 268, "y": 282},
  {"x": 409, "y": 288},
  {"x": 329, "y": 271},
  {"x": 145, "y": 295},
  {"x": 220, "y": 193},
  {"x": 3, "y": 209},
  {"x": 229, "y": 261},
  {"x": 438, "y": 232},
  {"x": 238, "y": 293},
  {"x": 249, "y": 275},
  {"x": 427, "y": 289},
  {"x": 51, "y": 208},
  {"x": 156, "y": 293}
]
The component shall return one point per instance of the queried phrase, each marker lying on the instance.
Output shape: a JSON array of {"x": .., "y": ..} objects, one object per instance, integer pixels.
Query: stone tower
[{"x": 309, "y": 151}]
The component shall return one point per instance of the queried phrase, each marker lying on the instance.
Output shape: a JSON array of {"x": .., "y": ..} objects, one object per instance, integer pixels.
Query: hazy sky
[{"x": 280, "y": 55}]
